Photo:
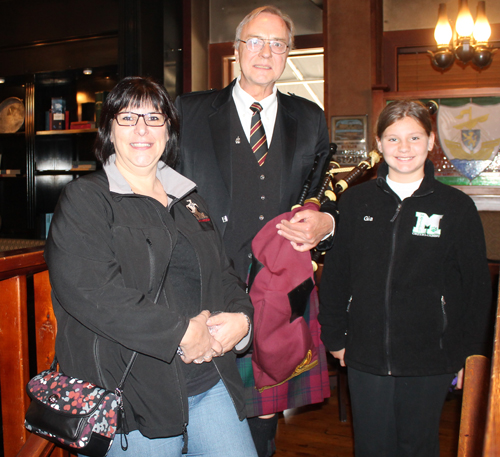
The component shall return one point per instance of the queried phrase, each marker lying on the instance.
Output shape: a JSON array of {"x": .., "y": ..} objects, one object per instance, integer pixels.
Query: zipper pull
[
  {"x": 121, "y": 419},
  {"x": 398, "y": 209},
  {"x": 185, "y": 438}
]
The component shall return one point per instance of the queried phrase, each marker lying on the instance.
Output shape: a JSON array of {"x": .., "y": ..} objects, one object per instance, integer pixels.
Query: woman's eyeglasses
[{"x": 131, "y": 119}]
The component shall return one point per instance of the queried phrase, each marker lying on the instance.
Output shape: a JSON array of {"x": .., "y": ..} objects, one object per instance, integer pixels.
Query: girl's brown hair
[{"x": 400, "y": 109}]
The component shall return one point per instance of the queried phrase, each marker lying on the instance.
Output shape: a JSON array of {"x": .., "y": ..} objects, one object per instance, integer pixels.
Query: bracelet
[{"x": 249, "y": 324}]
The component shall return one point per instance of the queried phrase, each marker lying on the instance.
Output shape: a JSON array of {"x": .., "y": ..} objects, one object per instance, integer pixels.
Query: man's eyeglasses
[
  {"x": 256, "y": 44},
  {"x": 131, "y": 119}
]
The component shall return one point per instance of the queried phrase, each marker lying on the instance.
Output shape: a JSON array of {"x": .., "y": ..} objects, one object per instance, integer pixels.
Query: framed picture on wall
[{"x": 349, "y": 133}]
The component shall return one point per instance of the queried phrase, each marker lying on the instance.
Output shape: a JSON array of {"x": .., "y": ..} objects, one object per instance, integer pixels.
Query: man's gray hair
[{"x": 271, "y": 10}]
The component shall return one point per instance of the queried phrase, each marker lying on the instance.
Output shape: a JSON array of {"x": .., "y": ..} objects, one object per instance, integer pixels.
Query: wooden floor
[{"x": 316, "y": 430}]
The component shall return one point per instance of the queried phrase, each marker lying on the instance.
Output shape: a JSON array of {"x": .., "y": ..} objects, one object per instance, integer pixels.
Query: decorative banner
[{"x": 470, "y": 136}]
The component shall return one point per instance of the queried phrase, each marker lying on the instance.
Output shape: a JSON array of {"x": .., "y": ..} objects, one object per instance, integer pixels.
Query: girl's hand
[
  {"x": 339, "y": 355},
  {"x": 460, "y": 379}
]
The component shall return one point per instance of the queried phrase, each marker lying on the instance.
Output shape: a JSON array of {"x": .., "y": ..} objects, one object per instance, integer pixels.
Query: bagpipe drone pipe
[{"x": 282, "y": 287}]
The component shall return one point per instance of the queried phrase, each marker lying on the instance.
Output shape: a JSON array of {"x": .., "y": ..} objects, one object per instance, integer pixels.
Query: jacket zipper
[
  {"x": 151, "y": 264},
  {"x": 445, "y": 321},
  {"x": 390, "y": 272},
  {"x": 97, "y": 361},
  {"x": 176, "y": 359},
  {"x": 387, "y": 336},
  {"x": 215, "y": 364},
  {"x": 349, "y": 304}
]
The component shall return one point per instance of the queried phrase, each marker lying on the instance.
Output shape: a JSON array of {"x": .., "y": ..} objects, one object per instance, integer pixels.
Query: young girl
[{"x": 405, "y": 291}]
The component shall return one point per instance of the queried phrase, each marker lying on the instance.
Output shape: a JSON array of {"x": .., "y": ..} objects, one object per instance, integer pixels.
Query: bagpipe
[{"x": 281, "y": 282}]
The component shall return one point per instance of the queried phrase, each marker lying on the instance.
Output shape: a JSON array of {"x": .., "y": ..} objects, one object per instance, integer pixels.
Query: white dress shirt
[{"x": 243, "y": 101}]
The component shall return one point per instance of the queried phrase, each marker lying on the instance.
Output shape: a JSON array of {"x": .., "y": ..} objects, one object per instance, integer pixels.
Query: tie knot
[{"x": 256, "y": 108}]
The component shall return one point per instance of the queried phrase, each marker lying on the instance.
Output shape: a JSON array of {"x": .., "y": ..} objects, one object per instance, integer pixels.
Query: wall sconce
[{"x": 470, "y": 40}]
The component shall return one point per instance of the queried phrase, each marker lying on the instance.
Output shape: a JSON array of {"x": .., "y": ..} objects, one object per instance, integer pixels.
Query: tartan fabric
[{"x": 310, "y": 387}]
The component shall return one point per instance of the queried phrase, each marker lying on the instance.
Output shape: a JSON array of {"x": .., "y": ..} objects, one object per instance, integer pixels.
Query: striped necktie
[{"x": 258, "y": 140}]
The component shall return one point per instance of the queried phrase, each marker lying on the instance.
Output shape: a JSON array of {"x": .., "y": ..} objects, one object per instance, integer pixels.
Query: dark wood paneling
[
  {"x": 415, "y": 73},
  {"x": 348, "y": 40},
  {"x": 26, "y": 22},
  {"x": 61, "y": 55}
]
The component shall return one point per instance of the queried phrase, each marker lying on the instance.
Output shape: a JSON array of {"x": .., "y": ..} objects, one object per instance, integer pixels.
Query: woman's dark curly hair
[{"x": 133, "y": 92}]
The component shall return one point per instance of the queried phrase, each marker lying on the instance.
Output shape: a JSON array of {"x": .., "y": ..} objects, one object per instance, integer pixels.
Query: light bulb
[
  {"x": 482, "y": 29},
  {"x": 443, "y": 32},
  {"x": 465, "y": 23}
]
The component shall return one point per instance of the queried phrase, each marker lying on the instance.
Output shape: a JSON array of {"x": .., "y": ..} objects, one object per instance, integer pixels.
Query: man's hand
[
  {"x": 228, "y": 329},
  {"x": 306, "y": 229}
]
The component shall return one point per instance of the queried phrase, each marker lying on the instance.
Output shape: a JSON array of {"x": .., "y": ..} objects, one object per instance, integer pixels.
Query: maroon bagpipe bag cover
[{"x": 281, "y": 282}]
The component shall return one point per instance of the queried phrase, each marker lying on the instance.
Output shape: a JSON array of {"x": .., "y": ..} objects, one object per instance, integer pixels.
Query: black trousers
[{"x": 397, "y": 416}]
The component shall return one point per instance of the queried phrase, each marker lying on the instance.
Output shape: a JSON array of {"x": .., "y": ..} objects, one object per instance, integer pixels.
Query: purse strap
[{"x": 53, "y": 366}]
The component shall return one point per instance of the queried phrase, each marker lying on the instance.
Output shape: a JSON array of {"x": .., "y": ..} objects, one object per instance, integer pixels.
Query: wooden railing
[{"x": 16, "y": 270}]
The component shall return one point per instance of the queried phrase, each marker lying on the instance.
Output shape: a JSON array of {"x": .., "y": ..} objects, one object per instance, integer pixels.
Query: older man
[{"x": 249, "y": 149}]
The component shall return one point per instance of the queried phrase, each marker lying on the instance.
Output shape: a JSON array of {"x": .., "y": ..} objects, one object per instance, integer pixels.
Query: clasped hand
[
  {"x": 209, "y": 336},
  {"x": 306, "y": 229}
]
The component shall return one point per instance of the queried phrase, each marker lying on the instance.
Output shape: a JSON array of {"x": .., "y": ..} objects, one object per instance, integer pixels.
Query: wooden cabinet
[
  {"x": 46, "y": 160},
  {"x": 13, "y": 181}
]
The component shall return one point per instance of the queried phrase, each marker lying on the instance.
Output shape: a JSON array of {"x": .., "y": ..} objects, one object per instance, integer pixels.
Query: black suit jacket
[{"x": 205, "y": 147}]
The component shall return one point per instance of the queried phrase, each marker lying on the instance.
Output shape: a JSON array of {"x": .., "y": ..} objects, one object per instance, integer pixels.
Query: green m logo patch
[{"x": 427, "y": 226}]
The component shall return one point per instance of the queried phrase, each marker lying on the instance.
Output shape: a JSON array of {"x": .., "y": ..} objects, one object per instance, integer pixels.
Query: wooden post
[
  {"x": 45, "y": 321},
  {"x": 14, "y": 362},
  {"x": 492, "y": 436},
  {"x": 474, "y": 405}
]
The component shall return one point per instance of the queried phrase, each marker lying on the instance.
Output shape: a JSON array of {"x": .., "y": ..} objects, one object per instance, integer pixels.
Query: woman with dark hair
[
  {"x": 137, "y": 266},
  {"x": 405, "y": 291}
]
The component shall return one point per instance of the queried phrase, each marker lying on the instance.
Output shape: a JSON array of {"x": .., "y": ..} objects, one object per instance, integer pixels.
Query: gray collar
[{"x": 173, "y": 183}]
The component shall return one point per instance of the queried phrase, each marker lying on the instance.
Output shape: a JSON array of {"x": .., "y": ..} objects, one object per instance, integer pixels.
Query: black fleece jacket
[
  {"x": 107, "y": 251},
  {"x": 406, "y": 288}
]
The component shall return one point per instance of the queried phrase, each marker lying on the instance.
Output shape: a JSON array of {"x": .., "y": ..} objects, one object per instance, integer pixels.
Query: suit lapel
[
  {"x": 220, "y": 129},
  {"x": 289, "y": 140}
]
